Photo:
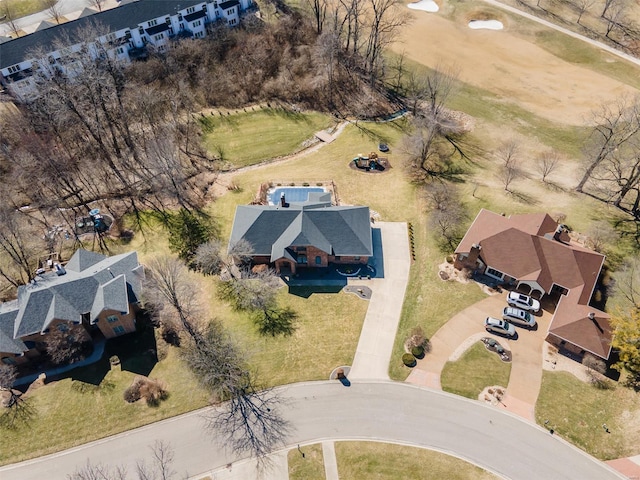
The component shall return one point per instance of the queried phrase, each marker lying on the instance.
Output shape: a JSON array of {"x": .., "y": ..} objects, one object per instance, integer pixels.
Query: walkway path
[
  {"x": 330, "y": 461},
  {"x": 546, "y": 23},
  {"x": 321, "y": 411},
  {"x": 378, "y": 334},
  {"x": 466, "y": 327}
]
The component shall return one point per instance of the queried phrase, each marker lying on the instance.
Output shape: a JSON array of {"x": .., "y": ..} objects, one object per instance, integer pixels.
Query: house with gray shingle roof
[
  {"x": 302, "y": 235},
  {"x": 100, "y": 293}
]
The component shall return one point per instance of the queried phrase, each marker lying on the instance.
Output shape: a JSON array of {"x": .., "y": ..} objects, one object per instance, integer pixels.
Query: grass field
[
  {"x": 477, "y": 369},
  {"x": 87, "y": 404},
  {"x": 21, "y": 8},
  {"x": 577, "y": 411},
  {"x": 248, "y": 138},
  {"x": 311, "y": 467},
  {"x": 383, "y": 461}
]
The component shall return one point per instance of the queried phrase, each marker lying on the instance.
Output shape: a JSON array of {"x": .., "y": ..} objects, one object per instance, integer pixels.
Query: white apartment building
[{"x": 133, "y": 27}]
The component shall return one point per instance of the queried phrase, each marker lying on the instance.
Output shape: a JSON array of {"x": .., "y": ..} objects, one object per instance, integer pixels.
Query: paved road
[
  {"x": 588, "y": 40},
  {"x": 378, "y": 334},
  {"x": 387, "y": 411}
]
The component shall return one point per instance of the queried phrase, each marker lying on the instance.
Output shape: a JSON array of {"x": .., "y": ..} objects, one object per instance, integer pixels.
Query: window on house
[
  {"x": 112, "y": 318},
  {"x": 119, "y": 330},
  {"x": 167, "y": 20},
  {"x": 191, "y": 10},
  {"x": 158, "y": 37},
  {"x": 119, "y": 50},
  {"x": 495, "y": 273},
  {"x": 8, "y": 361},
  {"x": 181, "y": 26},
  {"x": 14, "y": 69},
  {"x": 230, "y": 11},
  {"x": 318, "y": 260},
  {"x": 199, "y": 34},
  {"x": 356, "y": 259},
  {"x": 302, "y": 259},
  {"x": 110, "y": 37},
  {"x": 197, "y": 23},
  {"x": 232, "y": 21},
  {"x": 141, "y": 31},
  {"x": 153, "y": 23}
]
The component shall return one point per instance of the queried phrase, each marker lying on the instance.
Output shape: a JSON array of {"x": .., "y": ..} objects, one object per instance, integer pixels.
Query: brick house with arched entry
[
  {"x": 302, "y": 235},
  {"x": 98, "y": 292},
  {"x": 534, "y": 254}
]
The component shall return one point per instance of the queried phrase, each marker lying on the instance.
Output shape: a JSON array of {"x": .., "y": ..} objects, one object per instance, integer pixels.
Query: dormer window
[
  {"x": 191, "y": 10},
  {"x": 14, "y": 69},
  {"x": 153, "y": 23}
]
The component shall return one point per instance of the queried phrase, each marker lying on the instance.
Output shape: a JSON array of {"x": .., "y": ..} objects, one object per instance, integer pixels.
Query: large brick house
[
  {"x": 98, "y": 292},
  {"x": 307, "y": 234},
  {"x": 534, "y": 254}
]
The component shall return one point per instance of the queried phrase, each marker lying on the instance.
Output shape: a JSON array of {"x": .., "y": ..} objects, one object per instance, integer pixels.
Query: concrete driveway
[
  {"x": 378, "y": 333},
  {"x": 526, "y": 369}
]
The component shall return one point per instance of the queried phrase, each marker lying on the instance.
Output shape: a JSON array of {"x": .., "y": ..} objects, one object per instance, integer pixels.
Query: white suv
[
  {"x": 524, "y": 302},
  {"x": 495, "y": 325},
  {"x": 518, "y": 316}
]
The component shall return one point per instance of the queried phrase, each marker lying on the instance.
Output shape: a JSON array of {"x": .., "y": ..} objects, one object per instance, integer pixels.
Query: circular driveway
[{"x": 386, "y": 411}]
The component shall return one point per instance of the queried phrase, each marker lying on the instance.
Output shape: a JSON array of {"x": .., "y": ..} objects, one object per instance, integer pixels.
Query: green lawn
[
  {"x": 87, "y": 404},
  {"x": 21, "y": 8},
  {"x": 477, "y": 369},
  {"x": 311, "y": 467},
  {"x": 577, "y": 411},
  {"x": 247, "y": 138},
  {"x": 383, "y": 461}
]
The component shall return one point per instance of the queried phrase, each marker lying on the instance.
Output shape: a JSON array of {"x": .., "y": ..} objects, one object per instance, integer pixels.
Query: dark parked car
[{"x": 383, "y": 147}]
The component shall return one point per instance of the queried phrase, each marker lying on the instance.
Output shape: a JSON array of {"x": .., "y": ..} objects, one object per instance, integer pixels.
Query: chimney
[
  {"x": 283, "y": 202},
  {"x": 472, "y": 260},
  {"x": 559, "y": 231}
]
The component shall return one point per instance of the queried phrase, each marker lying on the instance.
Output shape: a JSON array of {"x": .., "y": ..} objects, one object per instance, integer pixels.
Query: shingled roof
[
  {"x": 336, "y": 230},
  {"x": 127, "y": 15},
  {"x": 523, "y": 247},
  {"x": 92, "y": 283}
]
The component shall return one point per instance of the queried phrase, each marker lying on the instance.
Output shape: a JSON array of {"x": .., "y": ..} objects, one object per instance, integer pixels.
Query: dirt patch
[
  {"x": 510, "y": 67},
  {"x": 492, "y": 395}
]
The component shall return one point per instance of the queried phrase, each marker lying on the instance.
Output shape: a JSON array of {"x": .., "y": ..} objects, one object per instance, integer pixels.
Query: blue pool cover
[{"x": 292, "y": 194}]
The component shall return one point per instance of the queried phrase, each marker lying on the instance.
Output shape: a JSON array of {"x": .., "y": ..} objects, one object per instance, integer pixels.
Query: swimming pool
[{"x": 292, "y": 194}]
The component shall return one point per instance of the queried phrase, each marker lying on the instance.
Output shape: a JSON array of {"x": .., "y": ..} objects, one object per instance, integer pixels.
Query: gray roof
[
  {"x": 93, "y": 283},
  {"x": 7, "y": 343},
  {"x": 342, "y": 230},
  {"x": 127, "y": 15}
]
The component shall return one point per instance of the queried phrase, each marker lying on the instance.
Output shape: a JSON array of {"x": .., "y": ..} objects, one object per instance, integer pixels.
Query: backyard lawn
[
  {"x": 477, "y": 369},
  {"x": 247, "y": 138},
  {"x": 577, "y": 411},
  {"x": 383, "y": 461}
]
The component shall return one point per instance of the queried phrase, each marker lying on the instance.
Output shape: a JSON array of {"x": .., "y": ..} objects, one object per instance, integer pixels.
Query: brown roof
[{"x": 523, "y": 247}]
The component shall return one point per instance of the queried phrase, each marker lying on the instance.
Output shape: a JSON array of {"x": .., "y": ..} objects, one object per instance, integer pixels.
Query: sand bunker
[
  {"x": 425, "y": 5},
  {"x": 486, "y": 24}
]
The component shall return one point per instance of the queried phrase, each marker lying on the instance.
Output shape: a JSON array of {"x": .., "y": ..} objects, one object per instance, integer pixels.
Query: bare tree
[
  {"x": 583, "y": 7},
  {"x": 600, "y": 236},
  {"x": 209, "y": 258},
  {"x": 253, "y": 291},
  {"x": 53, "y": 8},
  {"x": 67, "y": 343},
  {"x": 616, "y": 13},
  {"x": 98, "y": 471},
  {"x": 251, "y": 422},
  {"x": 163, "y": 456},
  {"x": 9, "y": 17},
  {"x": 8, "y": 375},
  {"x": 99, "y": 4},
  {"x": 546, "y": 163},
  {"x": 319, "y": 12},
  {"x": 607, "y": 5},
  {"x": 448, "y": 224},
  {"x": 508, "y": 154},
  {"x": 615, "y": 124},
  {"x": 627, "y": 284},
  {"x": 20, "y": 243},
  {"x": 17, "y": 409}
]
